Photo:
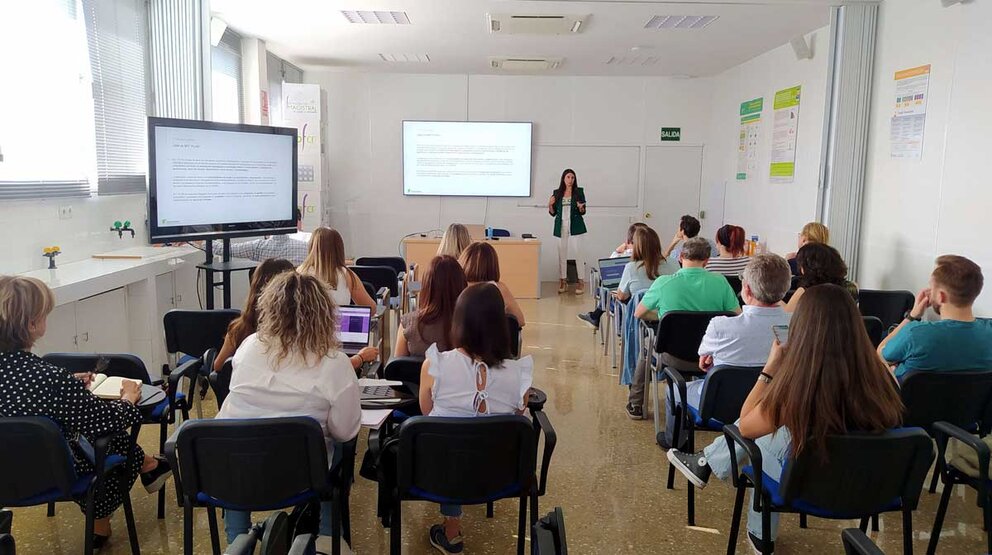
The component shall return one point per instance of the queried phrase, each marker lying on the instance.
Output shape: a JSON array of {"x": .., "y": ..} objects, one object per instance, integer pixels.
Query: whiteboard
[{"x": 609, "y": 174}]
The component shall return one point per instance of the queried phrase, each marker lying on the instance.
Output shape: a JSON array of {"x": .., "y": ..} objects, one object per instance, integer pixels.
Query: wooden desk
[{"x": 519, "y": 262}]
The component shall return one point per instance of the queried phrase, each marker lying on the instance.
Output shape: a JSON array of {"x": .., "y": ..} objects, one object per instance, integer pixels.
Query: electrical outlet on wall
[{"x": 65, "y": 212}]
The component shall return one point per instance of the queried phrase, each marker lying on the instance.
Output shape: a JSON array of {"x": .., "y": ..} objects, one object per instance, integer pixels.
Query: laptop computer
[
  {"x": 611, "y": 269},
  {"x": 354, "y": 328}
]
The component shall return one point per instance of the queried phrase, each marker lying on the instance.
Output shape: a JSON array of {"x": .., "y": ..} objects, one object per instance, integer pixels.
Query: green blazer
[{"x": 577, "y": 225}]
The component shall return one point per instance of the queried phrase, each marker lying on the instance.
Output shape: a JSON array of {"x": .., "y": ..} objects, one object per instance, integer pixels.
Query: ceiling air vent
[
  {"x": 530, "y": 24},
  {"x": 376, "y": 17},
  {"x": 406, "y": 58},
  {"x": 680, "y": 21},
  {"x": 525, "y": 64}
]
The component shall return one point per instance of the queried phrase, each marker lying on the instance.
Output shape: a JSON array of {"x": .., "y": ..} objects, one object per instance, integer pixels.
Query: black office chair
[
  {"x": 404, "y": 369},
  {"x": 951, "y": 475},
  {"x": 548, "y": 535},
  {"x": 723, "y": 395},
  {"x": 258, "y": 464},
  {"x": 962, "y": 399},
  {"x": 888, "y": 306},
  {"x": 397, "y": 263},
  {"x": 499, "y": 232},
  {"x": 7, "y": 546},
  {"x": 380, "y": 277},
  {"x": 516, "y": 336},
  {"x": 273, "y": 537},
  {"x": 865, "y": 475},
  {"x": 497, "y": 459},
  {"x": 737, "y": 286},
  {"x": 875, "y": 329},
  {"x": 220, "y": 380},
  {"x": 678, "y": 335},
  {"x": 191, "y": 333},
  {"x": 36, "y": 463},
  {"x": 126, "y": 366},
  {"x": 857, "y": 543}
]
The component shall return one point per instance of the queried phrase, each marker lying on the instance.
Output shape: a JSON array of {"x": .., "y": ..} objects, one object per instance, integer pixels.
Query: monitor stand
[{"x": 225, "y": 267}]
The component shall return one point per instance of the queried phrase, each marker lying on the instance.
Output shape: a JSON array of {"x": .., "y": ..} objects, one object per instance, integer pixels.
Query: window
[
  {"x": 116, "y": 37},
  {"x": 279, "y": 71},
  {"x": 46, "y": 104},
  {"x": 225, "y": 79}
]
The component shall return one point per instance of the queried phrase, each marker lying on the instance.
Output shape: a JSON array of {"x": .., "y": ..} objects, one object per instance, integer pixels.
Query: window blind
[
  {"x": 116, "y": 34},
  {"x": 226, "y": 86}
]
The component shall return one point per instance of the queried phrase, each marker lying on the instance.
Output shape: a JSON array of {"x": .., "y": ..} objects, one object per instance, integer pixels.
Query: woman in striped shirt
[{"x": 730, "y": 243}]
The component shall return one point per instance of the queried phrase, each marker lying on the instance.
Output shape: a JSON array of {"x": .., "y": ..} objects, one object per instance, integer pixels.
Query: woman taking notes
[{"x": 568, "y": 204}]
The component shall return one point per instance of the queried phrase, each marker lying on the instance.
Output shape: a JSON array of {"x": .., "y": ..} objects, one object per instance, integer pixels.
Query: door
[
  {"x": 672, "y": 177},
  {"x": 102, "y": 323},
  {"x": 186, "y": 287},
  {"x": 60, "y": 336}
]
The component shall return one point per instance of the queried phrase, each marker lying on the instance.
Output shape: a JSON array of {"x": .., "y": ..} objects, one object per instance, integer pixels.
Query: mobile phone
[{"x": 781, "y": 334}]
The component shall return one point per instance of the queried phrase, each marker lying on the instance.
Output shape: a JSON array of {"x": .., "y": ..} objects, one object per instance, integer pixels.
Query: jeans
[
  {"x": 694, "y": 391},
  {"x": 451, "y": 511},
  {"x": 637, "y": 385},
  {"x": 774, "y": 452}
]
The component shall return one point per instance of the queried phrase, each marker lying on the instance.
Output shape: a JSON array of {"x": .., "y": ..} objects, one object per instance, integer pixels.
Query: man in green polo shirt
[{"x": 691, "y": 288}]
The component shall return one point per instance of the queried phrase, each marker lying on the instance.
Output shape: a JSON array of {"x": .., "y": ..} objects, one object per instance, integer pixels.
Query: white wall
[
  {"x": 917, "y": 209},
  {"x": 30, "y": 226},
  {"x": 773, "y": 211},
  {"x": 364, "y": 146}
]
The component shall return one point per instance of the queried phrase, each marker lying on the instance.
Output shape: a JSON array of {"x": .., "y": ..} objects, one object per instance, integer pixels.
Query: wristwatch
[
  {"x": 909, "y": 316},
  {"x": 765, "y": 378}
]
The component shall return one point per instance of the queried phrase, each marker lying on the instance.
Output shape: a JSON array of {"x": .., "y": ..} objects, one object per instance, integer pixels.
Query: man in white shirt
[{"x": 745, "y": 339}]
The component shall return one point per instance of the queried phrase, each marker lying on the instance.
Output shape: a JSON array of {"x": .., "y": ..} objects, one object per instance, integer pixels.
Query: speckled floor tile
[{"x": 607, "y": 474}]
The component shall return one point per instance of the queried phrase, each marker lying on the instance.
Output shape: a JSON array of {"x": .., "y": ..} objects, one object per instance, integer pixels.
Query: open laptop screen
[
  {"x": 611, "y": 270},
  {"x": 354, "y": 324}
]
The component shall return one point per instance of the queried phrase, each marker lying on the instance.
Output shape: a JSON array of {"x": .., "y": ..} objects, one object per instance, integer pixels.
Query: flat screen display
[
  {"x": 467, "y": 158},
  {"x": 212, "y": 180}
]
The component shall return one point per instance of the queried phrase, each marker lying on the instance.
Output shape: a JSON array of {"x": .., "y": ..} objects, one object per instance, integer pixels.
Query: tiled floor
[{"x": 607, "y": 474}]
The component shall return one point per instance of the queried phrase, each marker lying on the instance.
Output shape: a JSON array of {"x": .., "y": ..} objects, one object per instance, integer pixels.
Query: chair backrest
[
  {"x": 122, "y": 365},
  {"x": 548, "y": 534},
  {"x": 466, "y": 460},
  {"x": 194, "y": 331},
  {"x": 220, "y": 382},
  {"x": 253, "y": 463},
  {"x": 875, "y": 329},
  {"x": 961, "y": 398},
  {"x": 863, "y": 474},
  {"x": 379, "y": 277},
  {"x": 857, "y": 542},
  {"x": 514, "y": 327},
  {"x": 403, "y": 369},
  {"x": 735, "y": 283},
  {"x": 36, "y": 460},
  {"x": 369, "y": 288},
  {"x": 887, "y": 306},
  {"x": 680, "y": 332},
  {"x": 397, "y": 263},
  {"x": 499, "y": 232},
  {"x": 724, "y": 392}
]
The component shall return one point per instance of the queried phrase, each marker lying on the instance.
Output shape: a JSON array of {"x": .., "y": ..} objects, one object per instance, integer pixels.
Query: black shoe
[
  {"x": 692, "y": 465},
  {"x": 100, "y": 541},
  {"x": 441, "y": 542},
  {"x": 756, "y": 544},
  {"x": 588, "y": 319},
  {"x": 154, "y": 479},
  {"x": 635, "y": 413},
  {"x": 662, "y": 439}
]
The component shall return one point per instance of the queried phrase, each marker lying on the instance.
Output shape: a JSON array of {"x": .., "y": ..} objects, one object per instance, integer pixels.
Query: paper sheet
[
  {"x": 372, "y": 382},
  {"x": 373, "y": 418}
]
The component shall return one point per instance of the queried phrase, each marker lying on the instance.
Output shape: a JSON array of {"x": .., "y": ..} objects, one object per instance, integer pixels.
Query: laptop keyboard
[{"x": 377, "y": 391}]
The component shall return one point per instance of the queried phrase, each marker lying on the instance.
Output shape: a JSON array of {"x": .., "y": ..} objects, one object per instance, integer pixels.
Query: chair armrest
[
  {"x": 100, "y": 447},
  {"x": 344, "y": 470},
  {"x": 382, "y": 295},
  {"x": 855, "y": 541},
  {"x": 190, "y": 369},
  {"x": 679, "y": 410},
  {"x": 543, "y": 423},
  {"x": 302, "y": 545},
  {"x": 169, "y": 450},
  {"x": 943, "y": 431},
  {"x": 244, "y": 544},
  {"x": 734, "y": 440}
]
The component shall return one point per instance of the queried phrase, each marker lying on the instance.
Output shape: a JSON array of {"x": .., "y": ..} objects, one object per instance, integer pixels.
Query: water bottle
[{"x": 489, "y": 232}]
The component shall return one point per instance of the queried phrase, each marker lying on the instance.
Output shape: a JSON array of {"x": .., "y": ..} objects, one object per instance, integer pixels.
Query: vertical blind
[
  {"x": 226, "y": 87},
  {"x": 116, "y": 35},
  {"x": 279, "y": 71},
  {"x": 175, "y": 33}
]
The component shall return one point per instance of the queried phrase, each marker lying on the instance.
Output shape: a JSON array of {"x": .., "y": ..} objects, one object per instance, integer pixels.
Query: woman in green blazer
[{"x": 568, "y": 206}]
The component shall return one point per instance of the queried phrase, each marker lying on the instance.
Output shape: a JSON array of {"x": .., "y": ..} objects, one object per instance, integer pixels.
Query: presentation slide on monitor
[
  {"x": 206, "y": 176},
  {"x": 466, "y": 158}
]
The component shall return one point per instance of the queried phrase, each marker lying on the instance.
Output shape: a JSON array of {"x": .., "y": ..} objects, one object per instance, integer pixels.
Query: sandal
[
  {"x": 580, "y": 288},
  {"x": 562, "y": 286}
]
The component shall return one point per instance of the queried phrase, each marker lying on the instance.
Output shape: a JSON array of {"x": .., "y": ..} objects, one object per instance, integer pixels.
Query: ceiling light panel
[
  {"x": 680, "y": 21},
  {"x": 632, "y": 60},
  {"x": 370, "y": 17},
  {"x": 406, "y": 58}
]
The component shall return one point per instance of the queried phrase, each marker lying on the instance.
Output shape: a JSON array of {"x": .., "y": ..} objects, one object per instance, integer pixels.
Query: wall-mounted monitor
[
  {"x": 467, "y": 158},
  {"x": 210, "y": 180}
]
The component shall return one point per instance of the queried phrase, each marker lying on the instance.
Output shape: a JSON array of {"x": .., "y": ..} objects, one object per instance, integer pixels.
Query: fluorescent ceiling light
[
  {"x": 406, "y": 58},
  {"x": 680, "y": 21},
  {"x": 376, "y": 17}
]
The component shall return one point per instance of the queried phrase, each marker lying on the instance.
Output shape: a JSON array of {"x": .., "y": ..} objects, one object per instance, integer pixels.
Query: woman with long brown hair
[
  {"x": 827, "y": 380},
  {"x": 326, "y": 261},
  {"x": 443, "y": 281},
  {"x": 481, "y": 264},
  {"x": 293, "y": 366}
]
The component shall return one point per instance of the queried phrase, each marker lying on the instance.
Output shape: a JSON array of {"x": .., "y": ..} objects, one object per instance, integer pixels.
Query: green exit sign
[{"x": 671, "y": 133}]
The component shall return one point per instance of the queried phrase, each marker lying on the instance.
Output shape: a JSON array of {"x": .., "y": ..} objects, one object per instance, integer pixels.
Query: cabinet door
[
  {"x": 60, "y": 336},
  {"x": 186, "y": 285},
  {"x": 102, "y": 323}
]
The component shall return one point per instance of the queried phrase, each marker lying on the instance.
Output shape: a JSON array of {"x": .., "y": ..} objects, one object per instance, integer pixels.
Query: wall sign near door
[{"x": 671, "y": 133}]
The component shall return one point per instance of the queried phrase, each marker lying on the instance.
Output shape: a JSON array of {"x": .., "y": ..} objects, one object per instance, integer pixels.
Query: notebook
[
  {"x": 109, "y": 387},
  {"x": 611, "y": 270},
  {"x": 354, "y": 328}
]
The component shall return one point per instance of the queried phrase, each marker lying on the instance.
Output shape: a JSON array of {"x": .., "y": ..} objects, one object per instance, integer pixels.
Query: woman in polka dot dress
[{"x": 30, "y": 386}]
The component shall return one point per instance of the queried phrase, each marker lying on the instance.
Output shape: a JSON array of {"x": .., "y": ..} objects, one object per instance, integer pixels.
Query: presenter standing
[{"x": 568, "y": 206}]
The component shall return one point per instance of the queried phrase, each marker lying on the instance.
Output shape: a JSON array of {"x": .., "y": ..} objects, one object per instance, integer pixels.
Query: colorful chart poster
[
  {"x": 301, "y": 109},
  {"x": 910, "y": 115},
  {"x": 785, "y": 134},
  {"x": 747, "y": 149}
]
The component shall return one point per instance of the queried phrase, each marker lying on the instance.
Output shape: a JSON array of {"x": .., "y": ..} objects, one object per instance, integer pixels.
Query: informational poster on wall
[
  {"x": 785, "y": 134},
  {"x": 747, "y": 148},
  {"x": 910, "y": 115},
  {"x": 301, "y": 109}
]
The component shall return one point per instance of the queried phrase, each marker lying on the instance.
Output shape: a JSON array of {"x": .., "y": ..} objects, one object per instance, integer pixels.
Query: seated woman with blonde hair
[
  {"x": 813, "y": 232},
  {"x": 325, "y": 260}
]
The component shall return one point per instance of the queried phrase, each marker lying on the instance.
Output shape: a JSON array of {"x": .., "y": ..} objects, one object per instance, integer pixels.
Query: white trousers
[{"x": 568, "y": 249}]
